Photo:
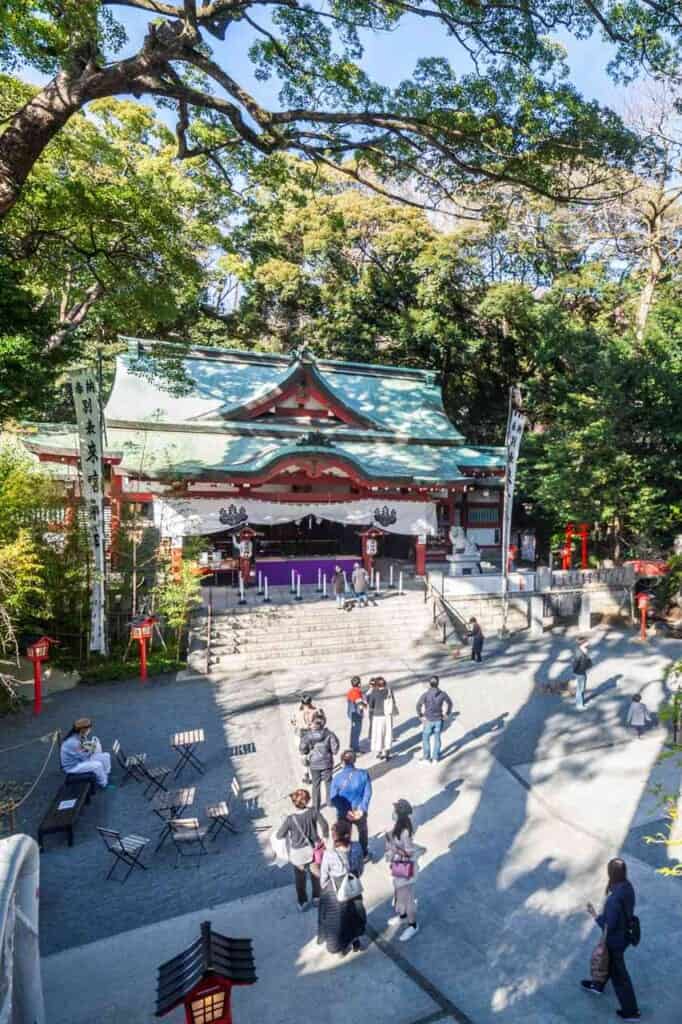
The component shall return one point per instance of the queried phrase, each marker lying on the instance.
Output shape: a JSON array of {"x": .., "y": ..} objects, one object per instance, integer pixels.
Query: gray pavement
[{"x": 517, "y": 823}]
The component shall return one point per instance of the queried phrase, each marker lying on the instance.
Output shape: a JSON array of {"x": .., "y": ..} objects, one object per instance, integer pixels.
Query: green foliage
[
  {"x": 176, "y": 598},
  {"x": 111, "y": 235},
  {"x": 115, "y": 669},
  {"x": 23, "y": 487}
]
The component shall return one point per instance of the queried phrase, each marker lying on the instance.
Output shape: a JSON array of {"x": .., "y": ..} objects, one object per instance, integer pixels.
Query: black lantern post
[{"x": 202, "y": 977}]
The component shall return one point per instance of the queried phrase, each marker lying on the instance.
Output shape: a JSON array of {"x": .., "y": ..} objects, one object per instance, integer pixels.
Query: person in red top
[{"x": 355, "y": 705}]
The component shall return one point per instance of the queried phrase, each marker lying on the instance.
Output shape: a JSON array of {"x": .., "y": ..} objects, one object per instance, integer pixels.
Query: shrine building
[{"x": 314, "y": 455}]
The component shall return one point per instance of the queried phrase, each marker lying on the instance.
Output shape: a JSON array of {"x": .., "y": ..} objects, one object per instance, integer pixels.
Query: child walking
[{"x": 638, "y": 715}]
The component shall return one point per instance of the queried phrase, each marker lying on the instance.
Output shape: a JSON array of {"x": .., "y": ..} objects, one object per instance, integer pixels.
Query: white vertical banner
[
  {"x": 516, "y": 422},
  {"x": 86, "y": 399}
]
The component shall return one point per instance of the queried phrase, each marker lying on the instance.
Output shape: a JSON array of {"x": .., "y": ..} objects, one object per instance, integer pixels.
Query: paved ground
[{"x": 517, "y": 823}]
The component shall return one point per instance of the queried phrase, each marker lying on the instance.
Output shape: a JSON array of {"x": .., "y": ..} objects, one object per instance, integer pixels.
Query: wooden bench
[{"x": 64, "y": 820}]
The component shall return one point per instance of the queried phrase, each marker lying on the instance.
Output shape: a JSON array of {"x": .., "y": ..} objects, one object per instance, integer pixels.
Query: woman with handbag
[
  {"x": 303, "y": 830},
  {"x": 401, "y": 854},
  {"x": 620, "y": 929},
  {"x": 342, "y": 918}
]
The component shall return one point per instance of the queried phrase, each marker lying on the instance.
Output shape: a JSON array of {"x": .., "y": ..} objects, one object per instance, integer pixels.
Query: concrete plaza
[{"x": 517, "y": 823}]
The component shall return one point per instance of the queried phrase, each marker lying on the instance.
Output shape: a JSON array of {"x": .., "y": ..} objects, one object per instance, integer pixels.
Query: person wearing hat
[
  {"x": 401, "y": 855},
  {"x": 81, "y": 753}
]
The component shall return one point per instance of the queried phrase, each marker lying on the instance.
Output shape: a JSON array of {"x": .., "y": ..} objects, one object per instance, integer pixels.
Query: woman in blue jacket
[{"x": 616, "y": 916}]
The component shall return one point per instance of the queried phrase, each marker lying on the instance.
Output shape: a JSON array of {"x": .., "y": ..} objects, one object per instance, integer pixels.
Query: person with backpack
[
  {"x": 401, "y": 854},
  {"x": 433, "y": 707},
  {"x": 342, "y": 917},
  {"x": 581, "y": 664},
  {"x": 320, "y": 745},
  {"x": 621, "y": 929},
  {"x": 355, "y": 709},
  {"x": 638, "y": 715},
  {"x": 383, "y": 709},
  {"x": 303, "y": 830},
  {"x": 350, "y": 794}
]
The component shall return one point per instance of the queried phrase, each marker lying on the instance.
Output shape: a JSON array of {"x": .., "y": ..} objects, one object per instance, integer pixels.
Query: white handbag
[{"x": 350, "y": 888}]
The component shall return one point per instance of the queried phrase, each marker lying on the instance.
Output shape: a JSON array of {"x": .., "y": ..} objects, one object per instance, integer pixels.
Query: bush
[{"x": 114, "y": 669}]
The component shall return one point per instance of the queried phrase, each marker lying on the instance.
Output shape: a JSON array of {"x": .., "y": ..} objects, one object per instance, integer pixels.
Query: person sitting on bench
[{"x": 82, "y": 753}]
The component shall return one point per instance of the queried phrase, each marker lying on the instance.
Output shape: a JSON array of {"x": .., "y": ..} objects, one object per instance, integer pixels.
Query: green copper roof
[
  {"x": 211, "y": 385},
  {"x": 164, "y": 452}
]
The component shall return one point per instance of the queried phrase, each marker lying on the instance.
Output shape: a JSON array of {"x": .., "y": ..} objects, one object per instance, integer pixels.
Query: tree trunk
[
  {"x": 653, "y": 274},
  {"x": 35, "y": 124},
  {"x": 30, "y": 130}
]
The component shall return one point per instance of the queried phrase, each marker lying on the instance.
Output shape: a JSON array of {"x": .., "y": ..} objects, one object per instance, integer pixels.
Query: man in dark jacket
[
  {"x": 433, "y": 707},
  {"x": 320, "y": 746},
  {"x": 616, "y": 917},
  {"x": 477, "y": 638}
]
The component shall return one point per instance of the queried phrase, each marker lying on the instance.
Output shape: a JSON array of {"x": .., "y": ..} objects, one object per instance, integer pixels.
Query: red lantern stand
[
  {"x": 37, "y": 653},
  {"x": 142, "y": 632},
  {"x": 643, "y": 601},
  {"x": 584, "y": 532},
  {"x": 567, "y": 549},
  {"x": 246, "y": 536},
  {"x": 370, "y": 546}
]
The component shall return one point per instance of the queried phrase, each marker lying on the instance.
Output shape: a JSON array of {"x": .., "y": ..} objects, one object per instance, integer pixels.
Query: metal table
[{"x": 185, "y": 744}]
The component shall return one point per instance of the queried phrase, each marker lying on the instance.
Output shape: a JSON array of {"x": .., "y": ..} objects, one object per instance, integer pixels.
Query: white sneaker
[
  {"x": 396, "y": 919},
  {"x": 423, "y": 758},
  {"x": 409, "y": 933}
]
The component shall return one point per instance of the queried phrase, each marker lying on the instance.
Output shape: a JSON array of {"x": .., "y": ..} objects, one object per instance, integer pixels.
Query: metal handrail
[
  {"x": 447, "y": 613},
  {"x": 209, "y": 629}
]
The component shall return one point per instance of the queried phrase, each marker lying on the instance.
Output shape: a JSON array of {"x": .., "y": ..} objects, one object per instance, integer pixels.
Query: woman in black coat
[{"x": 616, "y": 918}]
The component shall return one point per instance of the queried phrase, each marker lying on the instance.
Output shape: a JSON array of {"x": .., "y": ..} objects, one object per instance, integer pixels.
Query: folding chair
[
  {"x": 219, "y": 816},
  {"x": 132, "y": 764},
  {"x": 155, "y": 779},
  {"x": 127, "y": 849},
  {"x": 185, "y": 833}
]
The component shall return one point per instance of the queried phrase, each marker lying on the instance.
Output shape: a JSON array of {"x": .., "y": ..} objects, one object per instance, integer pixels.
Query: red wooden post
[
  {"x": 584, "y": 528},
  {"x": 37, "y": 686},
  {"x": 567, "y": 548},
  {"x": 142, "y": 631},
  {"x": 420, "y": 555},
  {"x": 643, "y": 605},
  {"x": 143, "y": 658},
  {"x": 37, "y": 653}
]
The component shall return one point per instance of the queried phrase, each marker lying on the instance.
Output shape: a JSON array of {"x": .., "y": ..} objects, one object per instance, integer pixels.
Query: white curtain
[{"x": 183, "y": 517}]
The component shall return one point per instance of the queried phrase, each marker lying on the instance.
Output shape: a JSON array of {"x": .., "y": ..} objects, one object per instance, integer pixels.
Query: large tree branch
[{"x": 74, "y": 317}]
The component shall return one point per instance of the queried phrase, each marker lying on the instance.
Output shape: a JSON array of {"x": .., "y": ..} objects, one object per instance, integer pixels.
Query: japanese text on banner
[{"x": 86, "y": 400}]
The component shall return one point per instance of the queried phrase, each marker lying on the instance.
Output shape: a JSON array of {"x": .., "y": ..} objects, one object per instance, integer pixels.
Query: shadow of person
[
  {"x": 438, "y": 803},
  {"x": 493, "y": 725},
  {"x": 608, "y": 684}
]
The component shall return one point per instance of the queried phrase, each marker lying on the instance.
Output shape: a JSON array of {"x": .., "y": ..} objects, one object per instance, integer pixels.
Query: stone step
[
  {"x": 317, "y": 639},
  {"x": 312, "y": 629}
]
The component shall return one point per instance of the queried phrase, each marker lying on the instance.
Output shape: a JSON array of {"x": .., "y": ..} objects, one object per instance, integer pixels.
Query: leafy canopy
[{"x": 510, "y": 115}]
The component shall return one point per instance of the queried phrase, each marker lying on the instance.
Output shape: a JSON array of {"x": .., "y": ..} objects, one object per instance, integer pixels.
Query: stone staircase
[{"x": 278, "y": 635}]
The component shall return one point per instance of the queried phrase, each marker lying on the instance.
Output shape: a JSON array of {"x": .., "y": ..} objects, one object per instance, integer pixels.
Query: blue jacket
[
  {"x": 351, "y": 790},
  {"x": 618, "y": 909}
]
